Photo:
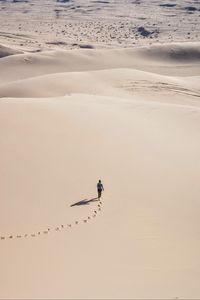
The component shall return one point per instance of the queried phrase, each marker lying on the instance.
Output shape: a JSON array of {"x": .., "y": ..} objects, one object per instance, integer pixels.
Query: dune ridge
[
  {"x": 120, "y": 73},
  {"x": 146, "y": 59}
]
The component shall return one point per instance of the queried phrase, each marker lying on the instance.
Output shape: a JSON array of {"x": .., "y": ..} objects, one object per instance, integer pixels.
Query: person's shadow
[{"x": 85, "y": 202}]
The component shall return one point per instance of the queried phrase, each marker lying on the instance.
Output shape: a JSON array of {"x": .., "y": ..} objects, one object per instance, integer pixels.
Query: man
[{"x": 100, "y": 188}]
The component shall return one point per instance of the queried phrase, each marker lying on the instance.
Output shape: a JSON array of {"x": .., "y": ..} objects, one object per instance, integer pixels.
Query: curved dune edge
[
  {"x": 160, "y": 59},
  {"x": 57, "y": 228},
  {"x": 109, "y": 82},
  {"x": 105, "y": 72},
  {"x": 7, "y": 51}
]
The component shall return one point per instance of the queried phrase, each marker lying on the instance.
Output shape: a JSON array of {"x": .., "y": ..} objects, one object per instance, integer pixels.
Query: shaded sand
[
  {"x": 129, "y": 117},
  {"x": 6, "y": 51}
]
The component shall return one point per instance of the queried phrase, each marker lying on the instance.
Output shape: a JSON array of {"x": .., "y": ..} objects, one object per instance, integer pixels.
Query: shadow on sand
[{"x": 85, "y": 202}]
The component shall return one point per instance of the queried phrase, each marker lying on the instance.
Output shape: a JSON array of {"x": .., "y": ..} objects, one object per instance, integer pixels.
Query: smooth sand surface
[
  {"x": 136, "y": 130},
  {"x": 129, "y": 116}
]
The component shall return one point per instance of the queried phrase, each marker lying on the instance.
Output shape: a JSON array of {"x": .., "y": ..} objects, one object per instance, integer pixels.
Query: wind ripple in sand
[{"x": 144, "y": 86}]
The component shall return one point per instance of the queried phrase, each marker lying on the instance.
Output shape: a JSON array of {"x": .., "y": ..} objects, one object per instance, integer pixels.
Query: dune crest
[{"x": 122, "y": 73}]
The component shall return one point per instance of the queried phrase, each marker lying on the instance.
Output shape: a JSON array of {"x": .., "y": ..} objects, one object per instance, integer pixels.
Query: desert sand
[{"x": 78, "y": 106}]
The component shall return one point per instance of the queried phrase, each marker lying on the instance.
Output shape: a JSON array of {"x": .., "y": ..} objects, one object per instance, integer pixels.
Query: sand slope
[
  {"x": 129, "y": 117},
  {"x": 169, "y": 59}
]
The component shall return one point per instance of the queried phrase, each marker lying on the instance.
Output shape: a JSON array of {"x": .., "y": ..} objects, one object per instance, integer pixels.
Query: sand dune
[
  {"x": 185, "y": 52},
  {"x": 128, "y": 116},
  {"x": 165, "y": 60},
  {"x": 113, "y": 82},
  {"x": 59, "y": 73}
]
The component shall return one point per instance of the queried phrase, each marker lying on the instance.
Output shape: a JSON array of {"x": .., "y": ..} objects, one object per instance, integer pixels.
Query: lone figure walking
[{"x": 100, "y": 188}]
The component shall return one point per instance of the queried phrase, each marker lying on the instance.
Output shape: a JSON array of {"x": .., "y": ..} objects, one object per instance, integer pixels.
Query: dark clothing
[
  {"x": 99, "y": 189},
  {"x": 99, "y": 193},
  {"x": 100, "y": 186}
]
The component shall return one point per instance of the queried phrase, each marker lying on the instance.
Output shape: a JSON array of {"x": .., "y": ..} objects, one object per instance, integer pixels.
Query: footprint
[{"x": 57, "y": 228}]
